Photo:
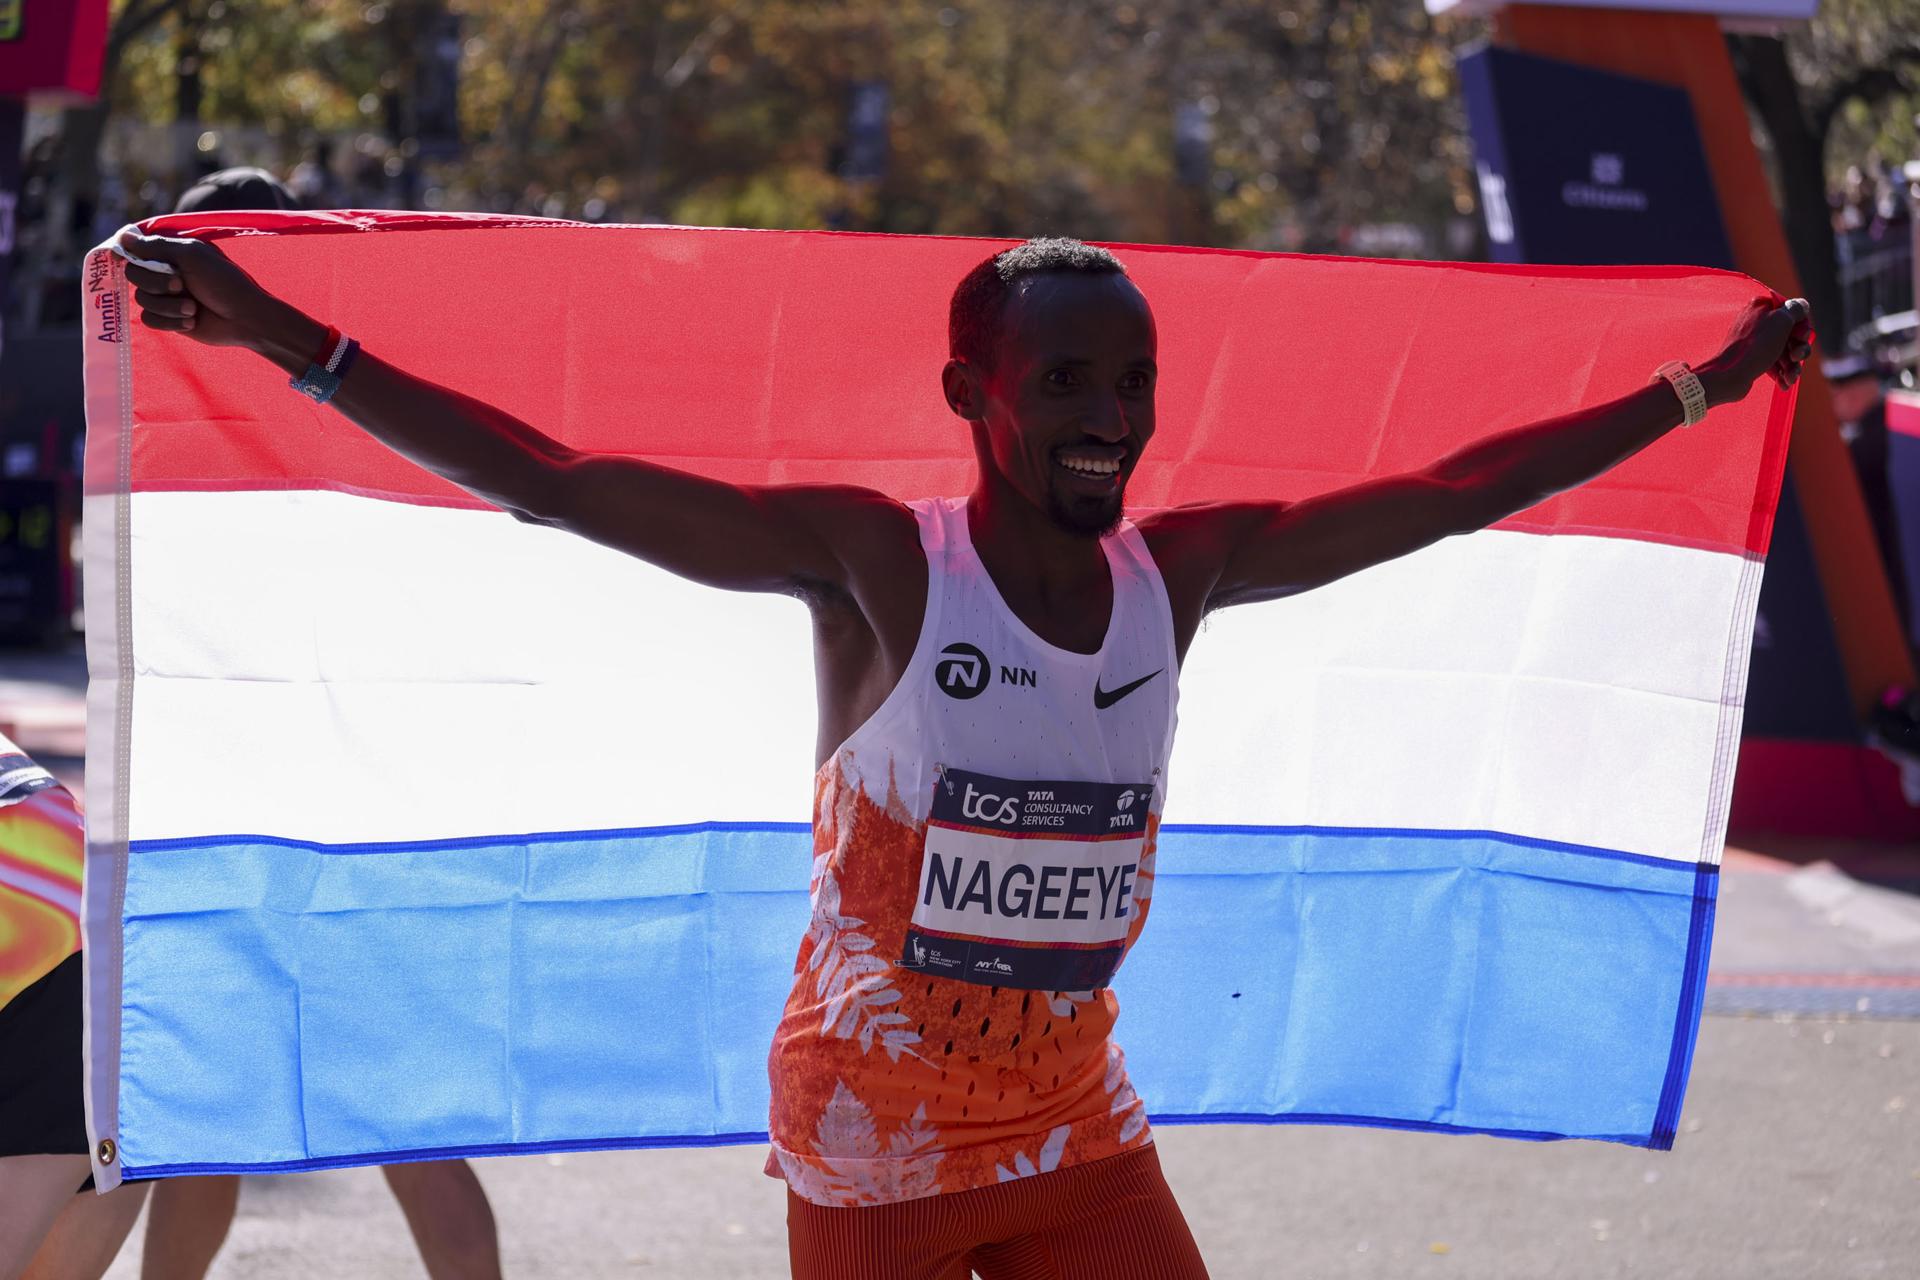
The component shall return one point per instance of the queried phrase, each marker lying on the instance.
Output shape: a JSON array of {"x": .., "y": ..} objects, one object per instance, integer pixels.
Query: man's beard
[{"x": 1085, "y": 517}]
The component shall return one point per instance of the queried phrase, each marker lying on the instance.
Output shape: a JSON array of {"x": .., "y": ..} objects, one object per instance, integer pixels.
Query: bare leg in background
[
  {"x": 87, "y": 1235},
  {"x": 187, "y": 1225},
  {"x": 445, "y": 1207},
  {"x": 451, "y": 1221},
  {"x": 49, "y": 1230}
]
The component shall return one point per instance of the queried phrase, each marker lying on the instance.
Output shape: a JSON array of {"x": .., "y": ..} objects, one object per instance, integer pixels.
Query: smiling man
[{"x": 997, "y": 683}]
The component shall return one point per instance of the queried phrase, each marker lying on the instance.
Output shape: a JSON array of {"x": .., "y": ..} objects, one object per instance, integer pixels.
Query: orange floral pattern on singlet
[{"x": 888, "y": 1084}]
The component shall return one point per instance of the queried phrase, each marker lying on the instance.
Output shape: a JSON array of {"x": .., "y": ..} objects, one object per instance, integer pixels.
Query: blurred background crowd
[
  {"x": 1314, "y": 125},
  {"x": 1319, "y": 126}
]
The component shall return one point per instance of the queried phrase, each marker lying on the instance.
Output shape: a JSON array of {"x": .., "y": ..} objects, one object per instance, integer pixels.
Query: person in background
[
  {"x": 51, "y": 1225},
  {"x": 445, "y": 1206},
  {"x": 1860, "y": 403},
  {"x": 233, "y": 189}
]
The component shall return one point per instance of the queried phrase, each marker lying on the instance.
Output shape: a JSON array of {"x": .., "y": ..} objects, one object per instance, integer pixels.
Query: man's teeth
[{"x": 1091, "y": 466}]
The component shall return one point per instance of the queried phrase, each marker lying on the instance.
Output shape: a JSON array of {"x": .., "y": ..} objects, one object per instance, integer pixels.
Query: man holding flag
[{"x": 997, "y": 683}]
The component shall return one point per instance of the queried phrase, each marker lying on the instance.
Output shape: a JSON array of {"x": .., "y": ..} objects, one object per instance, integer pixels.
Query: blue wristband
[
  {"x": 319, "y": 382},
  {"x": 316, "y": 384}
]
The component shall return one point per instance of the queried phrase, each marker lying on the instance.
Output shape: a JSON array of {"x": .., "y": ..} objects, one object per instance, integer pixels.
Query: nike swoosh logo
[{"x": 1104, "y": 698}]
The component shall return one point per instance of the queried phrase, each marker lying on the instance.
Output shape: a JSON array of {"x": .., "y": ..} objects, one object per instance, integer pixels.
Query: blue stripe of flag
[{"x": 577, "y": 990}]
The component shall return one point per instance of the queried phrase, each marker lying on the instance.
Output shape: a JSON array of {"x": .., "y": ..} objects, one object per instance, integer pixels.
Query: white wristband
[
  {"x": 1693, "y": 396},
  {"x": 339, "y": 350}
]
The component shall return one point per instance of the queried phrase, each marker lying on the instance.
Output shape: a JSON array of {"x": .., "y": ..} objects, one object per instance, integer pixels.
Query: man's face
[{"x": 1068, "y": 402}]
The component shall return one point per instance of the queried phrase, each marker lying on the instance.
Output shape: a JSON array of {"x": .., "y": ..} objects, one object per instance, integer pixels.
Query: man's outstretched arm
[
  {"x": 1262, "y": 551},
  {"x": 729, "y": 536}
]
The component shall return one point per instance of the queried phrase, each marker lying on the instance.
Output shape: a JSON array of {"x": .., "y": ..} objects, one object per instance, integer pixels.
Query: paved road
[{"x": 1799, "y": 1158}]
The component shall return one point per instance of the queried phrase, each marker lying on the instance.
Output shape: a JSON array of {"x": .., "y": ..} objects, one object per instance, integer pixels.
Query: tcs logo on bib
[{"x": 987, "y": 807}]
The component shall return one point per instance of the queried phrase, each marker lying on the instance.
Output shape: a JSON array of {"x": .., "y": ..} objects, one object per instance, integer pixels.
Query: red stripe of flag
[{"x": 774, "y": 357}]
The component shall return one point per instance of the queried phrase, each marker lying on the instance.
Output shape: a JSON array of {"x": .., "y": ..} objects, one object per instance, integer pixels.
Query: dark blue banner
[
  {"x": 1901, "y": 421},
  {"x": 1584, "y": 166}
]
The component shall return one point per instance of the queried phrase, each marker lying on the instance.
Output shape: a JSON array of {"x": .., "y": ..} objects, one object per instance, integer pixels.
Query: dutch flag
[{"x": 418, "y": 831}]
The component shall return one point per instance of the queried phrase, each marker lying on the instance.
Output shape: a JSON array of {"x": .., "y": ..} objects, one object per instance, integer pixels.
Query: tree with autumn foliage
[
  {"x": 1003, "y": 116},
  {"x": 1306, "y": 120}
]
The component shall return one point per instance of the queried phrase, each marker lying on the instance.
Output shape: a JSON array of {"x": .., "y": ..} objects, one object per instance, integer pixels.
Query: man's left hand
[{"x": 1765, "y": 341}]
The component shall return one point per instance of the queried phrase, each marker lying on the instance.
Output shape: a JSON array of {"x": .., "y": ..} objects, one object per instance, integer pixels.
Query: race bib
[
  {"x": 1027, "y": 884},
  {"x": 20, "y": 777}
]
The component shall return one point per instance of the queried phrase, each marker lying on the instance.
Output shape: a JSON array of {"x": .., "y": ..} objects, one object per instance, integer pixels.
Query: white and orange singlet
[{"x": 983, "y": 860}]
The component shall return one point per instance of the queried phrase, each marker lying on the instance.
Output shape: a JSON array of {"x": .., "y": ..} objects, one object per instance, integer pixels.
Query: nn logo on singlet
[{"x": 964, "y": 672}]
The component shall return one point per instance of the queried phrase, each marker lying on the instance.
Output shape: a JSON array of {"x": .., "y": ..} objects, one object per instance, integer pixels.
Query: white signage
[
  {"x": 1606, "y": 187},
  {"x": 1493, "y": 199}
]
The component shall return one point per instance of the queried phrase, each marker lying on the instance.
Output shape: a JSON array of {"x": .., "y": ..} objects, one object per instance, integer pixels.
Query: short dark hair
[
  {"x": 974, "y": 317},
  {"x": 236, "y": 189}
]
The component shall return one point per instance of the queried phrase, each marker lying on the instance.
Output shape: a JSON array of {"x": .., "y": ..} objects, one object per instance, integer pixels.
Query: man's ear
[{"x": 965, "y": 395}]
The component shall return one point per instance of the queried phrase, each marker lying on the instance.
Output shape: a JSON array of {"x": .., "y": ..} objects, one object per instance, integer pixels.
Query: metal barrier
[{"x": 1876, "y": 283}]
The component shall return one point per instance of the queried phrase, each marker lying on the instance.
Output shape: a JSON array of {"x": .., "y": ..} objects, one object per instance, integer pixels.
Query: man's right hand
[{"x": 207, "y": 297}]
